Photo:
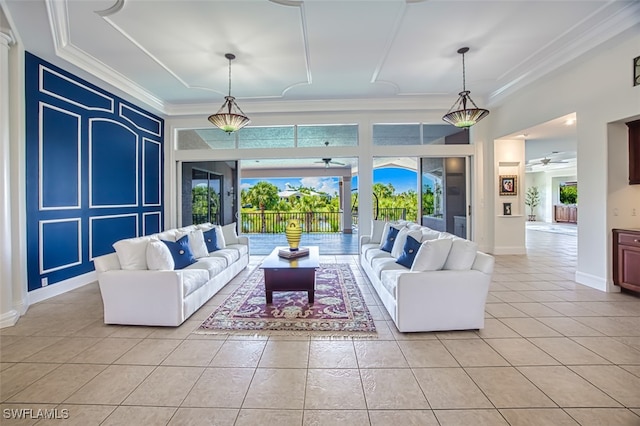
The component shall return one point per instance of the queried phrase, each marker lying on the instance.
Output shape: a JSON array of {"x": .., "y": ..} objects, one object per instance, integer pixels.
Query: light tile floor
[{"x": 552, "y": 353}]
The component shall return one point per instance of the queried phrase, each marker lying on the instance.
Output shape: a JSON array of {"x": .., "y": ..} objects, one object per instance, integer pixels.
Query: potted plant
[{"x": 532, "y": 199}]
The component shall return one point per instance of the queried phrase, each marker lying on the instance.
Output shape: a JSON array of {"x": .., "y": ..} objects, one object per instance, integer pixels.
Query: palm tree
[{"x": 265, "y": 196}]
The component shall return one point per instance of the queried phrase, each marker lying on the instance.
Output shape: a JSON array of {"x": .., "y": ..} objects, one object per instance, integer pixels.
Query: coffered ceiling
[{"x": 169, "y": 54}]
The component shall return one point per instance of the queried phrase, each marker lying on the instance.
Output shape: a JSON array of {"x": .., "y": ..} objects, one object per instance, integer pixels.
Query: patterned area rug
[{"x": 339, "y": 309}]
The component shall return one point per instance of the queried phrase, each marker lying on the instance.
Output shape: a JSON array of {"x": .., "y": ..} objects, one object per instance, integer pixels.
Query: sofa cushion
[
  {"x": 462, "y": 255},
  {"x": 181, "y": 252},
  {"x": 196, "y": 242},
  {"x": 366, "y": 247},
  {"x": 377, "y": 229},
  {"x": 385, "y": 264},
  {"x": 375, "y": 253},
  {"x": 432, "y": 255},
  {"x": 230, "y": 255},
  {"x": 159, "y": 257},
  {"x": 213, "y": 265},
  {"x": 132, "y": 253},
  {"x": 193, "y": 279},
  {"x": 389, "y": 239},
  {"x": 242, "y": 248},
  {"x": 409, "y": 252}
]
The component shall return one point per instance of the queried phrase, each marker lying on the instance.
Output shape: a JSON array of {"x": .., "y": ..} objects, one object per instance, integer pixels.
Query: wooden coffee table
[{"x": 290, "y": 274}]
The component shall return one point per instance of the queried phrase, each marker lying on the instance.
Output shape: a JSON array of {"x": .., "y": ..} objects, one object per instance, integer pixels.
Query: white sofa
[
  {"x": 444, "y": 288},
  {"x": 140, "y": 285}
]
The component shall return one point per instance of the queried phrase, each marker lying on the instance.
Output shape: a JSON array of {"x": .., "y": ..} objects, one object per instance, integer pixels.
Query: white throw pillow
[
  {"x": 432, "y": 255},
  {"x": 132, "y": 253},
  {"x": 398, "y": 244},
  {"x": 159, "y": 257},
  {"x": 196, "y": 242},
  {"x": 377, "y": 229},
  {"x": 401, "y": 240},
  {"x": 220, "y": 241},
  {"x": 229, "y": 233},
  {"x": 429, "y": 234},
  {"x": 205, "y": 226},
  {"x": 462, "y": 255}
]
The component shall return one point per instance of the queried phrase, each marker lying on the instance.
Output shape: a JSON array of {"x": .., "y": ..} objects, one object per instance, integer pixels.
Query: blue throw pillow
[
  {"x": 181, "y": 252},
  {"x": 409, "y": 252},
  {"x": 391, "y": 238},
  {"x": 211, "y": 240}
]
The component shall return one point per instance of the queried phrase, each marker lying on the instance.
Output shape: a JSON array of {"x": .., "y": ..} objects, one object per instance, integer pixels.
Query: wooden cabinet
[
  {"x": 564, "y": 213},
  {"x": 626, "y": 258},
  {"x": 634, "y": 152}
]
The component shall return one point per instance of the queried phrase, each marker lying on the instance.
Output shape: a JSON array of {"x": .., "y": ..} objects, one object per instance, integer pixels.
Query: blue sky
[{"x": 401, "y": 179}]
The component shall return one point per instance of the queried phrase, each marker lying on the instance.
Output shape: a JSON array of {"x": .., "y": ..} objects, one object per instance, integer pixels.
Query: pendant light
[
  {"x": 459, "y": 115},
  {"x": 229, "y": 117}
]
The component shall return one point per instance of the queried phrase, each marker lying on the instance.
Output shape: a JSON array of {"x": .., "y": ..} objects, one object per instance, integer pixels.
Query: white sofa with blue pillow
[
  {"x": 427, "y": 280},
  {"x": 162, "y": 279}
]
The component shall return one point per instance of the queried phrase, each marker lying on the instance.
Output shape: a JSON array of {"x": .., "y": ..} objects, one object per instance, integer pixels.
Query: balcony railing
[
  {"x": 276, "y": 222},
  {"x": 311, "y": 222}
]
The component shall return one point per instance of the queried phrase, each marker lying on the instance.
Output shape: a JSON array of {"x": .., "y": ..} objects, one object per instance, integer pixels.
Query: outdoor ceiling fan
[{"x": 328, "y": 161}]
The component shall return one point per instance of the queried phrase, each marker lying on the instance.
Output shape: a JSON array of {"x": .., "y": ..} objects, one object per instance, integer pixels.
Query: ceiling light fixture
[
  {"x": 229, "y": 117},
  {"x": 459, "y": 115}
]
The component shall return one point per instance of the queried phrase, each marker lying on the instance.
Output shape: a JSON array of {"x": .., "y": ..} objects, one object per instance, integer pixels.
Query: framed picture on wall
[
  {"x": 506, "y": 209},
  {"x": 508, "y": 185}
]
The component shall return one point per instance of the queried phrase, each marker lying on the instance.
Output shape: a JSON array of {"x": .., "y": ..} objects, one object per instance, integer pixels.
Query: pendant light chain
[
  {"x": 464, "y": 78},
  {"x": 230, "y": 75}
]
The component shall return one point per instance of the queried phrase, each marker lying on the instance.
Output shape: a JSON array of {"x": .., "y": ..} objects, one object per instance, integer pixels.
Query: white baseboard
[
  {"x": 56, "y": 289},
  {"x": 9, "y": 319},
  {"x": 592, "y": 281},
  {"x": 509, "y": 250}
]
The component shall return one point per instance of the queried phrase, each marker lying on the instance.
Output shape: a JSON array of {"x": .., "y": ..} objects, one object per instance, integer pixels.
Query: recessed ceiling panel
[{"x": 187, "y": 40}]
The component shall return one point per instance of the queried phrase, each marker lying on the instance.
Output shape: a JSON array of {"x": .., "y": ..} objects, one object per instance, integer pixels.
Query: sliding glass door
[{"x": 445, "y": 203}]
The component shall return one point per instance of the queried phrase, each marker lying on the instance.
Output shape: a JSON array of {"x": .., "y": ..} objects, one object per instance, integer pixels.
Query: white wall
[{"x": 598, "y": 88}]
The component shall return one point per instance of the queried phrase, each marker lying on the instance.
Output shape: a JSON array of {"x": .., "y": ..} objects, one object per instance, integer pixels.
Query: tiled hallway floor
[{"x": 552, "y": 353}]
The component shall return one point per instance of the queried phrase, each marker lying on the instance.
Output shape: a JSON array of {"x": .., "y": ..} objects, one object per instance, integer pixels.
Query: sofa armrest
[
  {"x": 364, "y": 239},
  {"x": 106, "y": 262},
  {"x": 484, "y": 263},
  {"x": 143, "y": 297},
  {"x": 446, "y": 299},
  {"x": 242, "y": 239}
]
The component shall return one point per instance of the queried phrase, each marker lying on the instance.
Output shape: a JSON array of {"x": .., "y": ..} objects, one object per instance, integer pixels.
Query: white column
[
  {"x": 346, "y": 205},
  {"x": 8, "y": 315}
]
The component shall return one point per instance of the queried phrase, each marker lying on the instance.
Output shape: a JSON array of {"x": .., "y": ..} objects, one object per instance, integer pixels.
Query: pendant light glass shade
[
  {"x": 459, "y": 115},
  {"x": 229, "y": 117}
]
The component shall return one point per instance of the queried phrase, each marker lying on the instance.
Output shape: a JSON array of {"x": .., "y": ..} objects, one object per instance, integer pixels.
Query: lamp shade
[
  {"x": 461, "y": 116},
  {"x": 229, "y": 117}
]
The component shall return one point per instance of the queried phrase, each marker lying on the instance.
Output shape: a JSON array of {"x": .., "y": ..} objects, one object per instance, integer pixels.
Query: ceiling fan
[
  {"x": 328, "y": 161},
  {"x": 546, "y": 160}
]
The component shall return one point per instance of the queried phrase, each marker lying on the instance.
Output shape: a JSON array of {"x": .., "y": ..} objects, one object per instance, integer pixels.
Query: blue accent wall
[{"x": 94, "y": 172}]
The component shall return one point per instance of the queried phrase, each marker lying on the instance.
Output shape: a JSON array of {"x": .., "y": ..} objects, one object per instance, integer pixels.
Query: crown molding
[{"x": 590, "y": 37}]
